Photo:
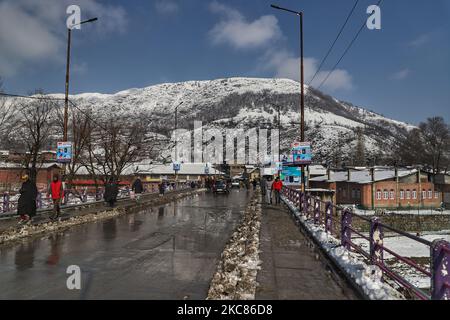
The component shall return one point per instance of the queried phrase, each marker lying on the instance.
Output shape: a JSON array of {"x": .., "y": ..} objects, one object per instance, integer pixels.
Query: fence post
[
  {"x": 299, "y": 201},
  {"x": 328, "y": 217},
  {"x": 376, "y": 241},
  {"x": 346, "y": 233},
  {"x": 440, "y": 270},
  {"x": 39, "y": 200},
  {"x": 316, "y": 211}
]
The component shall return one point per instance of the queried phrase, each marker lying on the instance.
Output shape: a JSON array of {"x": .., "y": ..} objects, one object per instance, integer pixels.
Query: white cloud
[
  {"x": 401, "y": 75},
  {"x": 34, "y": 32},
  {"x": 167, "y": 7},
  {"x": 286, "y": 65},
  {"x": 420, "y": 40},
  {"x": 235, "y": 30}
]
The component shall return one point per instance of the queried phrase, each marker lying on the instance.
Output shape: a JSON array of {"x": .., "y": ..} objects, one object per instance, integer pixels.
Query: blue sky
[{"x": 401, "y": 71}]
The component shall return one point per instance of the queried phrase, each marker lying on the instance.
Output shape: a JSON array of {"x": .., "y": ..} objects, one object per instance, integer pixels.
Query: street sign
[
  {"x": 176, "y": 166},
  {"x": 64, "y": 152}
]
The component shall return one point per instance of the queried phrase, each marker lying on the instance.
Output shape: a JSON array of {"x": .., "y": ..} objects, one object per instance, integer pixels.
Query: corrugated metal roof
[{"x": 363, "y": 176}]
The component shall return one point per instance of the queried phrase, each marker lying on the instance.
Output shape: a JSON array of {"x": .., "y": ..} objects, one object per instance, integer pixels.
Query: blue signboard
[
  {"x": 64, "y": 152},
  {"x": 176, "y": 166},
  {"x": 291, "y": 174},
  {"x": 301, "y": 153}
]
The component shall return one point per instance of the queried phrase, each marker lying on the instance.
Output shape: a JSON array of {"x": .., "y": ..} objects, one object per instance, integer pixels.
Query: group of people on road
[{"x": 271, "y": 189}]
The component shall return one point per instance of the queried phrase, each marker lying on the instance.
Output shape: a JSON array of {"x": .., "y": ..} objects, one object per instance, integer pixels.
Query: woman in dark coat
[
  {"x": 26, "y": 207},
  {"x": 111, "y": 192}
]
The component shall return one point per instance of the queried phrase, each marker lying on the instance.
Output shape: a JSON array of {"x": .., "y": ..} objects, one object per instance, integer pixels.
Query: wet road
[{"x": 168, "y": 252}]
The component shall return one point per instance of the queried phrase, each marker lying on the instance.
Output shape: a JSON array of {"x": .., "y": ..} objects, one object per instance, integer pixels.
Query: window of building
[
  {"x": 402, "y": 194},
  {"x": 358, "y": 194},
  {"x": 430, "y": 194},
  {"x": 392, "y": 195},
  {"x": 386, "y": 195},
  {"x": 378, "y": 194},
  {"x": 424, "y": 194},
  {"x": 436, "y": 195},
  {"x": 353, "y": 193},
  {"x": 408, "y": 194},
  {"x": 414, "y": 194}
]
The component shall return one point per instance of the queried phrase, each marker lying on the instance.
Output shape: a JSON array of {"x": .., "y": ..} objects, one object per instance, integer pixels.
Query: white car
[{"x": 236, "y": 184}]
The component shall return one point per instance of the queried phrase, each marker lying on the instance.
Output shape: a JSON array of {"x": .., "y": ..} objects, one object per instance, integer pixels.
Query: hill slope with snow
[{"x": 249, "y": 103}]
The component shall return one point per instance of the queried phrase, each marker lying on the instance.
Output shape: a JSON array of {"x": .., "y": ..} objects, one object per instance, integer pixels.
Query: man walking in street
[
  {"x": 277, "y": 186},
  {"x": 57, "y": 193}
]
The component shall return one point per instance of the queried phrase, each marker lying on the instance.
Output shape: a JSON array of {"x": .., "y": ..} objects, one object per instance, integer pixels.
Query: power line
[
  {"x": 334, "y": 42},
  {"x": 346, "y": 50}
]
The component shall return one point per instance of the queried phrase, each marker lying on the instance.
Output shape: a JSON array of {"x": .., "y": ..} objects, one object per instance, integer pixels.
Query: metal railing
[
  {"x": 339, "y": 222},
  {"x": 8, "y": 202}
]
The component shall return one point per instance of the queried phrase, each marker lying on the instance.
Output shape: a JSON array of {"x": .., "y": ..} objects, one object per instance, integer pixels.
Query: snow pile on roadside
[
  {"x": 235, "y": 278},
  {"x": 367, "y": 277},
  {"x": 13, "y": 234}
]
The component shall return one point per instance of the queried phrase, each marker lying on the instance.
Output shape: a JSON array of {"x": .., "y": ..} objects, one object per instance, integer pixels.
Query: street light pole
[
  {"x": 66, "y": 99},
  {"x": 302, "y": 84}
]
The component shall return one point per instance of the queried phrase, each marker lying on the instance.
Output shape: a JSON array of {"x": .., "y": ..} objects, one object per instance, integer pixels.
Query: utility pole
[{"x": 302, "y": 85}]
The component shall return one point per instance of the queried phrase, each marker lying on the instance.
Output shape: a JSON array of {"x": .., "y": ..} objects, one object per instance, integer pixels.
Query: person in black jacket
[
  {"x": 137, "y": 188},
  {"x": 26, "y": 207},
  {"x": 111, "y": 192}
]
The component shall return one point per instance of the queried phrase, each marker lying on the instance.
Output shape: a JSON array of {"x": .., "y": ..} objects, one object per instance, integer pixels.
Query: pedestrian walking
[
  {"x": 277, "y": 186},
  {"x": 137, "y": 188},
  {"x": 255, "y": 183},
  {"x": 111, "y": 192},
  {"x": 56, "y": 192},
  {"x": 26, "y": 207},
  {"x": 162, "y": 189},
  {"x": 264, "y": 186},
  {"x": 269, "y": 190}
]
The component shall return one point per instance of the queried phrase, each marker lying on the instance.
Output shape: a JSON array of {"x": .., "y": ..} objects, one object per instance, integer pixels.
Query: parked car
[
  {"x": 236, "y": 184},
  {"x": 220, "y": 187}
]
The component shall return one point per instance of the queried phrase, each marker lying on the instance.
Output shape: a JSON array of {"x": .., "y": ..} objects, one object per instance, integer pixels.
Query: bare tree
[
  {"x": 34, "y": 130},
  {"x": 436, "y": 138},
  {"x": 7, "y": 119},
  {"x": 117, "y": 143}
]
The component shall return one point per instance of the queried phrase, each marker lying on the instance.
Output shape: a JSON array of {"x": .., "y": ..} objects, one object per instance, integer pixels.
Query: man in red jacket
[
  {"x": 277, "y": 186},
  {"x": 57, "y": 193}
]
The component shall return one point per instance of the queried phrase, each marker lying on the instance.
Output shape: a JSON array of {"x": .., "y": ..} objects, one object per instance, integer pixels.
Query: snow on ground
[
  {"x": 409, "y": 212},
  {"x": 235, "y": 278},
  {"x": 366, "y": 276}
]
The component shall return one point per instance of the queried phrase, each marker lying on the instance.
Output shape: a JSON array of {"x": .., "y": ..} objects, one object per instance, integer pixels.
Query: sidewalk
[{"x": 290, "y": 270}]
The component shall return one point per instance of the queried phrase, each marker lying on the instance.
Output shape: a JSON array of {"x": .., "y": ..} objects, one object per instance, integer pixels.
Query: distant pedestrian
[
  {"x": 255, "y": 183},
  {"x": 26, "y": 207},
  {"x": 264, "y": 186},
  {"x": 111, "y": 192},
  {"x": 277, "y": 186},
  {"x": 56, "y": 192},
  {"x": 162, "y": 189},
  {"x": 269, "y": 192},
  {"x": 137, "y": 188}
]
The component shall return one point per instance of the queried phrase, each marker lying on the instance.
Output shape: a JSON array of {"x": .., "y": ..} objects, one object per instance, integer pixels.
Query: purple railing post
[
  {"x": 299, "y": 201},
  {"x": 5, "y": 202},
  {"x": 316, "y": 211},
  {"x": 440, "y": 270},
  {"x": 346, "y": 233},
  {"x": 328, "y": 217},
  {"x": 376, "y": 241}
]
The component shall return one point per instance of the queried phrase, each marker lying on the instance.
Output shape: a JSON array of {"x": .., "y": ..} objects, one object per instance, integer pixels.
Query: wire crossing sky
[{"x": 400, "y": 71}]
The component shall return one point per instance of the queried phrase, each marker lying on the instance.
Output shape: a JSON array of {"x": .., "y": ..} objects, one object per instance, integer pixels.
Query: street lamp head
[
  {"x": 90, "y": 20},
  {"x": 284, "y": 9}
]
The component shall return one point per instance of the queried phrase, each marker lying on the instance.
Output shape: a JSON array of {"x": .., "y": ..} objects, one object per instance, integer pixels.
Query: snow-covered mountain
[{"x": 331, "y": 124}]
